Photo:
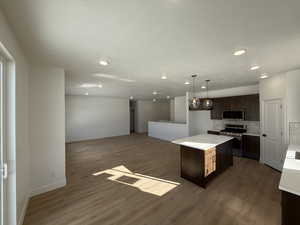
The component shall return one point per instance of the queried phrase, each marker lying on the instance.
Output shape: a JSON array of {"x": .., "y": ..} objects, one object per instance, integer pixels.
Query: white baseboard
[
  {"x": 23, "y": 210},
  {"x": 57, "y": 184},
  {"x": 49, "y": 187}
]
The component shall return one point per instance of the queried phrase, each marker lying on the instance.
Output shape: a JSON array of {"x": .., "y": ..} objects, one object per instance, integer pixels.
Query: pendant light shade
[
  {"x": 194, "y": 102},
  {"x": 207, "y": 102}
]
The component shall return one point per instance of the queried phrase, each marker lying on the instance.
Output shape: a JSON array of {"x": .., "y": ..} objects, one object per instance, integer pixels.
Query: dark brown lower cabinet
[
  {"x": 213, "y": 132},
  {"x": 290, "y": 206},
  {"x": 251, "y": 147},
  {"x": 196, "y": 164}
]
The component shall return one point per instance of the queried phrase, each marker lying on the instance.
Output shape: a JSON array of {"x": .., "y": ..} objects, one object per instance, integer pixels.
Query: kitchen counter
[
  {"x": 290, "y": 187},
  {"x": 245, "y": 145},
  {"x": 204, "y": 157},
  {"x": 203, "y": 141},
  {"x": 168, "y": 121},
  {"x": 290, "y": 177},
  {"x": 252, "y": 134},
  {"x": 247, "y": 133}
]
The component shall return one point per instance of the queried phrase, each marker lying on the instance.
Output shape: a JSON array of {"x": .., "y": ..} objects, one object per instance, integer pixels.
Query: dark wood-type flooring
[{"x": 245, "y": 194}]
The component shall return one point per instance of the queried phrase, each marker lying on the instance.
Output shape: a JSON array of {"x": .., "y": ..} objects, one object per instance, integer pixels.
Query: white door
[
  {"x": 272, "y": 133},
  {"x": 3, "y": 167}
]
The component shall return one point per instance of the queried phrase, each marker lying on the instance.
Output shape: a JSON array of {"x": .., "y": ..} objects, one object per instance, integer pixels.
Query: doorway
[
  {"x": 272, "y": 133},
  {"x": 132, "y": 116}
]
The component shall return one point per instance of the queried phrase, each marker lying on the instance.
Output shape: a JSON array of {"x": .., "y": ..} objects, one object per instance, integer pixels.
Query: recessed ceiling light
[
  {"x": 264, "y": 76},
  {"x": 187, "y": 82},
  {"x": 203, "y": 87},
  {"x": 239, "y": 52},
  {"x": 108, "y": 76},
  {"x": 255, "y": 67},
  {"x": 154, "y": 92},
  {"x": 86, "y": 93},
  {"x": 103, "y": 62},
  {"x": 168, "y": 97},
  {"x": 127, "y": 80},
  {"x": 154, "y": 100},
  {"x": 164, "y": 77},
  {"x": 131, "y": 97},
  {"x": 90, "y": 85}
]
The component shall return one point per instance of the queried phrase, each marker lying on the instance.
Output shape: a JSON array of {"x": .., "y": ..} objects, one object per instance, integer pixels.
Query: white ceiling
[{"x": 145, "y": 39}]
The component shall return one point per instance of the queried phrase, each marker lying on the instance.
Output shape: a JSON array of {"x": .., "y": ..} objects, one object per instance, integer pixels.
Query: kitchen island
[
  {"x": 204, "y": 157},
  {"x": 290, "y": 186}
]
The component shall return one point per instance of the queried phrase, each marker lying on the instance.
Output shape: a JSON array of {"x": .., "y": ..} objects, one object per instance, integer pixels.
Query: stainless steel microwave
[{"x": 234, "y": 115}]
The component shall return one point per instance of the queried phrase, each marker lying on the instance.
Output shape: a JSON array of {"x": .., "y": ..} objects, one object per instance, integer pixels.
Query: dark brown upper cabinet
[
  {"x": 246, "y": 103},
  {"x": 252, "y": 108},
  {"x": 217, "y": 108}
]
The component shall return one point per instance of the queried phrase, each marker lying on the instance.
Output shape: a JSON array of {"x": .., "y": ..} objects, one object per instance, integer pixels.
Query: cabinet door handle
[{"x": 264, "y": 135}]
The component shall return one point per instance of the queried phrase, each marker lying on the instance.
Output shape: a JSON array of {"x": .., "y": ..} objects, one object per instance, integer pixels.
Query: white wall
[
  {"x": 168, "y": 131},
  {"x": 293, "y": 96},
  {"x": 147, "y": 110},
  {"x": 47, "y": 128},
  {"x": 180, "y": 113},
  {"x": 200, "y": 122},
  {"x": 286, "y": 87},
  {"x": 236, "y": 91},
  {"x": 91, "y": 117},
  {"x": 22, "y": 170},
  {"x": 274, "y": 88},
  {"x": 172, "y": 110}
]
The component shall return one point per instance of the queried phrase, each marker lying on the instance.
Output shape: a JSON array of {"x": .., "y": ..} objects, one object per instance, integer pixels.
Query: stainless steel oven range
[{"x": 236, "y": 131}]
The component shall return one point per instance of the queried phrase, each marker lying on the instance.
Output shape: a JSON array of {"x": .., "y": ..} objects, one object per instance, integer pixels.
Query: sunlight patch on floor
[{"x": 144, "y": 183}]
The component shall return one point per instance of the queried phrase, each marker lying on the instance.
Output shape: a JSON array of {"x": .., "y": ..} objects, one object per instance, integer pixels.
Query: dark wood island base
[
  {"x": 290, "y": 208},
  {"x": 200, "y": 166}
]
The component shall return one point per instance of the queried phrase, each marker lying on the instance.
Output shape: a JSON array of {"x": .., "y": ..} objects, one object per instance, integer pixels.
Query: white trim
[
  {"x": 49, "y": 187},
  {"x": 23, "y": 211},
  {"x": 10, "y": 138}
]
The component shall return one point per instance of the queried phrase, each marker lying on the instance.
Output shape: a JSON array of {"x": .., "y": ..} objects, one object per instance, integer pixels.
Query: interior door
[{"x": 272, "y": 133}]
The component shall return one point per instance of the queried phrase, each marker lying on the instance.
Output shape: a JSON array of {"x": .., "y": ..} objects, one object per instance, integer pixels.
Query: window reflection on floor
[{"x": 144, "y": 183}]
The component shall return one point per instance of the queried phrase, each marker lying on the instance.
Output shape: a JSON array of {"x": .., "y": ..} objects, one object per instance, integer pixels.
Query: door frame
[
  {"x": 283, "y": 128},
  {"x": 9, "y": 105},
  {"x": 2, "y": 153}
]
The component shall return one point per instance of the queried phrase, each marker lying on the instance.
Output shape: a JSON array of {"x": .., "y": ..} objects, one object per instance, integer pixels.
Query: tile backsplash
[
  {"x": 252, "y": 126},
  {"x": 294, "y": 133}
]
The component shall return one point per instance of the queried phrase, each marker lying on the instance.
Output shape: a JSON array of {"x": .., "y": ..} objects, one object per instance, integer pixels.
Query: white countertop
[
  {"x": 252, "y": 134},
  {"x": 203, "y": 141},
  {"x": 247, "y": 133},
  {"x": 166, "y": 121},
  {"x": 290, "y": 177}
]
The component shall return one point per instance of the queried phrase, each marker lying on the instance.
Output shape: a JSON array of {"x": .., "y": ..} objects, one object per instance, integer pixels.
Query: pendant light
[
  {"x": 207, "y": 102},
  {"x": 194, "y": 103}
]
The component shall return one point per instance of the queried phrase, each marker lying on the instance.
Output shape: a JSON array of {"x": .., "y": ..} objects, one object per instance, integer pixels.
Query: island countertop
[
  {"x": 290, "y": 176},
  {"x": 203, "y": 141}
]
